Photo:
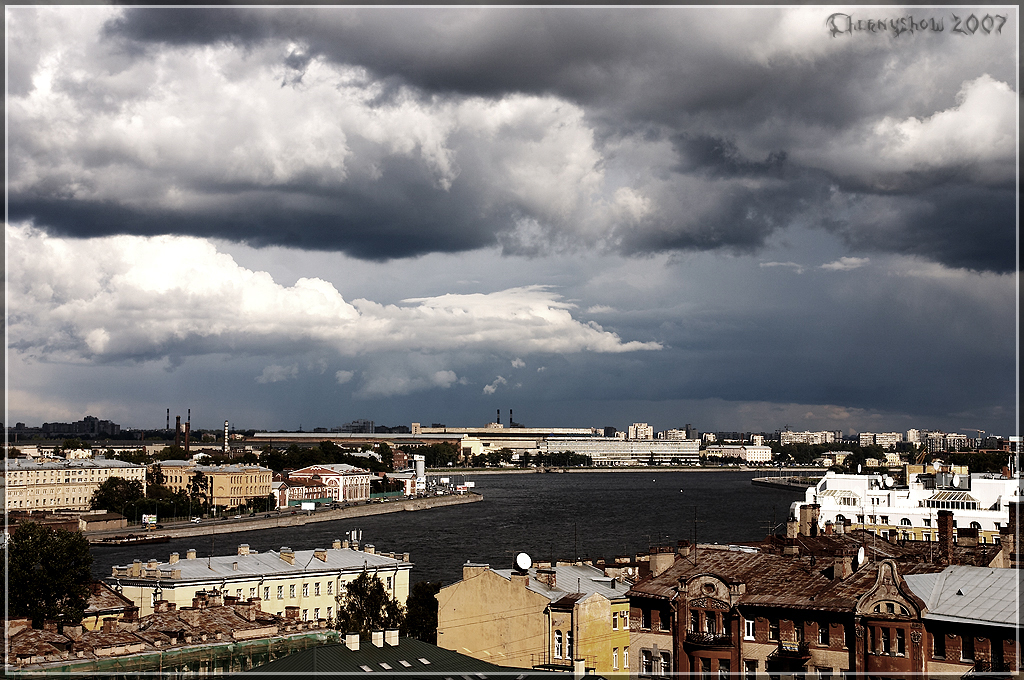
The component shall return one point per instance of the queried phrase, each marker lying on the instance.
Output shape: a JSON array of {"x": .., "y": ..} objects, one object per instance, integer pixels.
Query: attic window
[
  {"x": 960, "y": 591},
  {"x": 423, "y": 661},
  {"x": 367, "y": 669},
  {"x": 405, "y": 663},
  {"x": 385, "y": 666}
]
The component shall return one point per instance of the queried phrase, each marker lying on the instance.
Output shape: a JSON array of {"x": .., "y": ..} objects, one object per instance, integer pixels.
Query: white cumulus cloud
[
  {"x": 344, "y": 376},
  {"x": 275, "y": 373},
  {"x": 846, "y": 263},
  {"x": 493, "y": 387}
]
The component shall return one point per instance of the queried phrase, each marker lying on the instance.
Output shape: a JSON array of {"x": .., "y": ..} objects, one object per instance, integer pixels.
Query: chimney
[
  {"x": 109, "y": 625},
  {"x": 967, "y": 537},
  {"x": 320, "y": 554},
  {"x": 151, "y": 564},
  {"x": 377, "y": 638},
  {"x": 471, "y": 570},
  {"x": 547, "y": 576},
  {"x": 1008, "y": 536},
  {"x": 243, "y": 549},
  {"x": 188, "y": 436},
  {"x": 288, "y": 555},
  {"x": 842, "y": 565},
  {"x": 231, "y": 600},
  {"x": 173, "y": 559},
  {"x": 51, "y": 626},
  {"x": 661, "y": 561},
  {"x": 234, "y": 566},
  {"x": 369, "y": 548},
  {"x": 792, "y": 528},
  {"x": 809, "y": 515},
  {"x": 405, "y": 557},
  {"x": 391, "y": 637},
  {"x": 521, "y": 579},
  {"x": 336, "y": 544},
  {"x": 352, "y": 641},
  {"x": 945, "y": 536},
  {"x": 190, "y": 554},
  {"x": 579, "y": 668},
  {"x": 163, "y": 606},
  {"x": 177, "y": 432},
  {"x": 792, "y": 548},
  {"x": 682, "y": 547},
  {"x": 829, "y": 529},
  {"x": 291, "y": 612}
]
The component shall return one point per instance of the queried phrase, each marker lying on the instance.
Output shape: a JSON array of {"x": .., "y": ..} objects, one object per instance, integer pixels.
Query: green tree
[
  {"x": 116, "y": 493},
  {"x": 49, "y": 571},
  {"x": 421, "y": 612},
  {"x": 365, "y": 605}
]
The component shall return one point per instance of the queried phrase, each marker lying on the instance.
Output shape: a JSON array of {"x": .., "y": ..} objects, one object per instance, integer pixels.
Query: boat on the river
[{"x": 131, "y": 539}]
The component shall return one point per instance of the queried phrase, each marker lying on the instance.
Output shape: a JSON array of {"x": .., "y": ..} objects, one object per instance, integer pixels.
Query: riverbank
[
  {"x": 630, "y": 468},
  {"x": 299, "y": 518},
  {"x": 787, "y": 483}
]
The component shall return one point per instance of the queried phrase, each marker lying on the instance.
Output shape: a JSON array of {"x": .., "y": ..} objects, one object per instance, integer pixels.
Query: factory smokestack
[
  {"x": 177, "y": 432},
  {"x": 499, "y": 415},
  {"x": 168, "y": 419},
  {"x": 511, "y": 423},
  {"x": 226, "y": 436}
]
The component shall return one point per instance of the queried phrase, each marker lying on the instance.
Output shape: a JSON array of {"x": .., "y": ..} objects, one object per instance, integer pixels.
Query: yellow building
[
  {"x": 228, "y": 486},
  {"x": 308, "y": 579},
  {"x": 567, "y": 616},
  {"x": 58, "y": 484}
]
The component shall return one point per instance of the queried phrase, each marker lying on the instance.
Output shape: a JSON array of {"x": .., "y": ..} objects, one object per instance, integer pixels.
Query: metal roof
[
  {"x": 970, "y": 595},
  {"x": 15, "y": 464},
  {"x": 572, "y": 578},
  {"x": 221, "y": 567},
  {"x": 953, "y": 496},
  {"x": 410, "y": 658}
]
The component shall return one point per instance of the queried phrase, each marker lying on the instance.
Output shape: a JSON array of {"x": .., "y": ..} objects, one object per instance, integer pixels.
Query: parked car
[
  {"x": 237, "y": 517},
  {"x": 196, "y": 520}
]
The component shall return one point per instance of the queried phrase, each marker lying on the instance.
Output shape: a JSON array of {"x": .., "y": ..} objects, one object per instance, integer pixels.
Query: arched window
[
  {"x": 840, "y": 519},
  {"x": 905, "y": 522},
  {"x": 558, "y": 644},
  {"x": 568, "y": 644},
  {"x": 975, "y": 525}
]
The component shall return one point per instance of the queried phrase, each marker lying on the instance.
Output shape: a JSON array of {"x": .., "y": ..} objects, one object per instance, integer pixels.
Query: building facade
[
  {"x": 342, "y": 483},
  {"x": 605, "y": 451},
  {"x": 310, "y": 580},
  {"x": 58, "y": 484},
  {"x": 557, "y": 617},
  {"x": 228, "y": 486}
]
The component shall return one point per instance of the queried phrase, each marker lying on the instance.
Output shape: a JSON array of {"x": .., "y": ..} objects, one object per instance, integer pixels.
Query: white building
[
  {"x": 612, "y": 452},
  {"x": 640, "y": 431},
  {"x": 58, "y": 484},
  {"x": 806, "y": 437},
  {"x": 757, "y": 454},
  {"x": 887, "y": 440},
  {"x": 343, "y": 482},
  {"x": 673, "y": 434},
  {"x": 308, "y": 579},
  {"x": 978, "y": 500}
]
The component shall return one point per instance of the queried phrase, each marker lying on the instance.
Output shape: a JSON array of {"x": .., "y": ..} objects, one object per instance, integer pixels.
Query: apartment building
[
  {"x": 640, "y": 431},
  {"x": 227, "y": 486},
  {"x": 307, "y": 579},
  {"x": 59, "y": 484}
]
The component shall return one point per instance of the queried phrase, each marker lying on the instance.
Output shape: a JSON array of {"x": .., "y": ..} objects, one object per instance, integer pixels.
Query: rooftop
[{"x": 970, "y": 595}]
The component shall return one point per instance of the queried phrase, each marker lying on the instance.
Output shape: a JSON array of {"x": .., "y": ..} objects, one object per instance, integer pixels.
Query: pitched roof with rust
[
  {"x": 772, "y": 580},
  {"x": 103, "y": 599}
]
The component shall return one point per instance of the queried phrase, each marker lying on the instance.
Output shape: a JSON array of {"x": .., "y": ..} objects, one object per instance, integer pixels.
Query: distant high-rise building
[{"x": 640, "y": 431}]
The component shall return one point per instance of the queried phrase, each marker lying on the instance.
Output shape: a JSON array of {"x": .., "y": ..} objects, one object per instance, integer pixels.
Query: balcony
[
  {"x": 990, "y": 669},
  {"x": 705, "y": 640},
  {"x": 792, "y": 650}
]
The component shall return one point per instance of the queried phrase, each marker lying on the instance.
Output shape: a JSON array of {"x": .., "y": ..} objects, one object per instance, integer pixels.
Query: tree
[
  {"x": 365, "y": 606},
  {"x": 421, "y": 612},
  {"x": 49, "y": 571},
  {"x": 116, "y": 493}
]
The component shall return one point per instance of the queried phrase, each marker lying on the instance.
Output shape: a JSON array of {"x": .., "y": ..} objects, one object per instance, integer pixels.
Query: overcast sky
[{"x": 733, "y": 218}]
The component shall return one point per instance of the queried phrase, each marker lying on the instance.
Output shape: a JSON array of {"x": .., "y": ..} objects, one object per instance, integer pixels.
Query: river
[{"x": 548, "y": 516}]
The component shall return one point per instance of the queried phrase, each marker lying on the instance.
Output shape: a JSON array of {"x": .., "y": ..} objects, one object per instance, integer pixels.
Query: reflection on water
[{"x": 549, "y": 516}]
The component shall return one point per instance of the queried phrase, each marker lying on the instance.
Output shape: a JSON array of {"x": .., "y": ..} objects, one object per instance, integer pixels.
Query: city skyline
[{"x": 740, "y": 218}]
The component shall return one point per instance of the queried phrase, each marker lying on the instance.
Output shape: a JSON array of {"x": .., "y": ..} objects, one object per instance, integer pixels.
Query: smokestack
[
  {"x": 188, "y": 436},
  {"x": 168, "y": 419},
  {"x": 499, "y": 415},
  {"x": 177, "y": 432},
  {"x": 510, "y": 421},
  {"x": 225, "y": 436}
]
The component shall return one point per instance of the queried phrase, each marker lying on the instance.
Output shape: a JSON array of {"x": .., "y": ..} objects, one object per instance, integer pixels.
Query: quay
[
  {"x": 793, "y": 483},
  {"x": 299, "y": 517}
]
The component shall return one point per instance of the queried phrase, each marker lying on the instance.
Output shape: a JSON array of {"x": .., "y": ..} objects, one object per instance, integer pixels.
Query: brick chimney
[
  {"x": 792, "y": 547},
  {"x": 243, "y": 549},
  {"x": 190, "y": 554},
  {"x": 173, "y": 559},
  {"x": 470, "y": 570},
  {"x": 661, "y": 561},
  {"x": 842, "y": 565},
  {"x": 547, "y": 576},
  {"x": 967, "y": 537},
  {"x": 336, "y": 544},
  {"x": 369, "y": 548},
  {"x": 1008, "y": 536},
  {"x": 809, "y": 515},
  {"x": 320, "y": 554},
  {"x": 945, "y": 536},
  {"x": 288, "y": 555},
  {"x": 682, "y": 547},
  {"x": 162, "y": 606},
  {"x": 109, "y": 625}
]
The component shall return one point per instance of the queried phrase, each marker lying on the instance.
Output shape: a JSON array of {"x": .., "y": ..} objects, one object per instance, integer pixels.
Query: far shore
[{"x": 768, "y": 471}]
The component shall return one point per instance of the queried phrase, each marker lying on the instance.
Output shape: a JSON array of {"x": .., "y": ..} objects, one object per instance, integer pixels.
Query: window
[
  {"x": 316, "y": 588},
  {"x": 967, "y": 648},
  {"x": 558, "y": 644},
  {"x": 901, "y": 642},
  {"x": 750, "y": 669},
  {"x": 939, "y": 646},
  {"x": 330, "y": 587},
  {"x": 798, "y": 631},
  {"x": 886, "y": 641},
  {"x": 823, "y": 634},
  {"x": 748, "y": 629},
  {"x": 388, "y": 584},
  {"x": 330, "y": 612},
  {"x": 625, "y": 658},
  {"x": 646, "y": 619},
  {"x": 291, "y": 590},
  {"x": 890, "y": 607},
  {"x": 705, "y": 669},
  {"x": 615, "y": 658},
  {"x": 905, "y": 522},
  {"x": 280, "y": 592},
  {"x": 625, "y": 620},
  {"x": 252, "y": 592},
  {"x": 615, "y": 621},
  {"x": 825, "y": 673},
  {"x": 305, "y": 614},
  {"x": 885, "y": 519},
  {"x": 773, "y": 630},
  {"x": 568, "y": 644},
  {"x": 266, "y": 592},
  {"x": 646, "y": 663},
  {"x": 305, "y": 590},
  {"x": 316, "y": 614},
  {"x": 723, "y": 669},
  {"x": 666, "y": 664},
  {"x": 694, "y": 620},
  {"x": 238, "y": 593},
  {"x": 710, "y": 623}
]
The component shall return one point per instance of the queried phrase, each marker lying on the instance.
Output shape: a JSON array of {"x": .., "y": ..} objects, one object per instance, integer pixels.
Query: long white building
[
  {"x": 871, "y": 502},
  {"x": 608, "y": 451},
  {"x": 58, "y": 484}
]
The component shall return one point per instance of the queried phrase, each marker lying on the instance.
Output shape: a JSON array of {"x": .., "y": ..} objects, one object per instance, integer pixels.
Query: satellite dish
[
  {"x": 860, "y": 556},
  {"x": 523, "y": 562},
  {"x": 936, "y": 466},
  {"x": 889, "y": 482},
  {"x": 858, "y": 468},
  {"x": 956, "y": 480}
]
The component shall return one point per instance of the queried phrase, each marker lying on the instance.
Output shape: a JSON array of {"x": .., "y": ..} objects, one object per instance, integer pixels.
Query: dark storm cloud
[{"x": 743, "y": 109}]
